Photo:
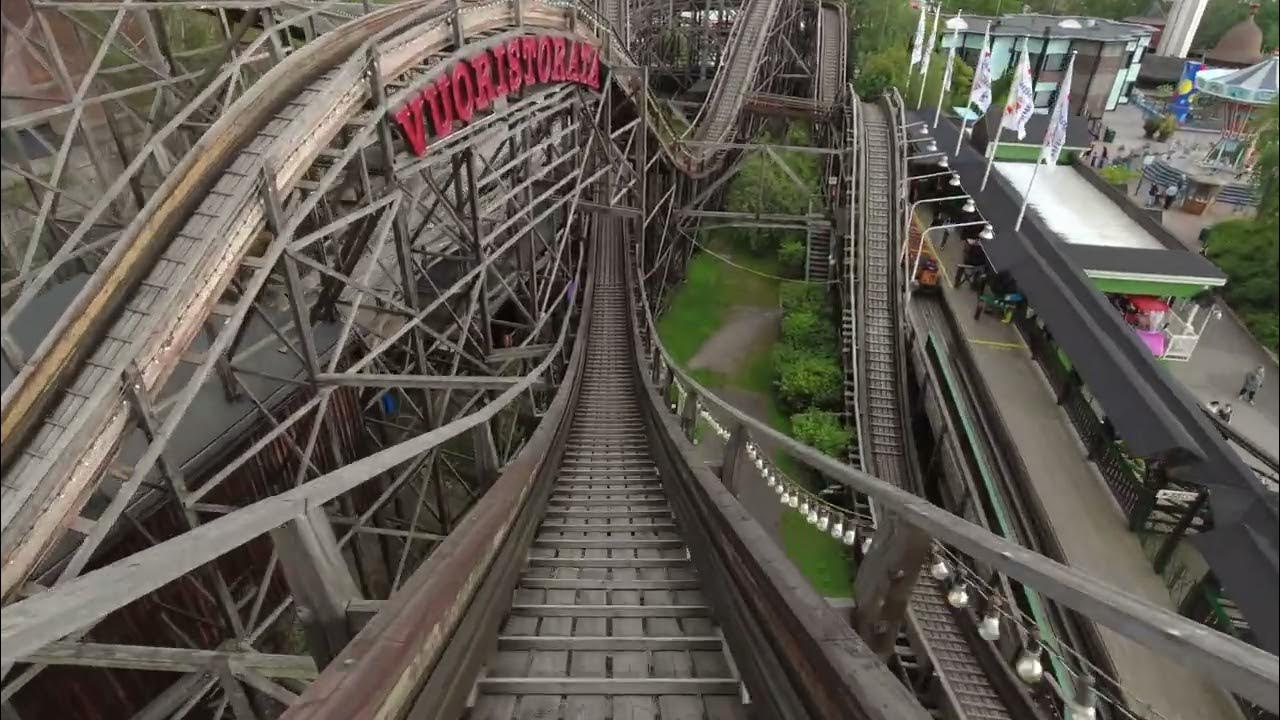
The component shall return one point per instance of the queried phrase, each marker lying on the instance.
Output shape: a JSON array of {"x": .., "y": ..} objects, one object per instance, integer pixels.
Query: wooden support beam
[
  {"x": 884, "y": 582},
  {"x": 165, "y": 659},
  {"x": 427, "y": 382},
  {"x": 736, "y": 462},
  {"x": 320, "y": 580}
]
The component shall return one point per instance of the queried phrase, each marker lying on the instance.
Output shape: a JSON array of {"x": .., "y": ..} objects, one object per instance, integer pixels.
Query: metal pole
[
  {"x": 964, "y": 123},
  {"x": 991, "y": 157},
  {"x": 927, "y": 52},
  {"x": 1026, "y": 197}
]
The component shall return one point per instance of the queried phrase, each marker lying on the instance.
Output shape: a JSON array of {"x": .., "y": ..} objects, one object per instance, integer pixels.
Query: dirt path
[
  {"x": 748, "y": 332},
  {"x": 745, "y": 330}
]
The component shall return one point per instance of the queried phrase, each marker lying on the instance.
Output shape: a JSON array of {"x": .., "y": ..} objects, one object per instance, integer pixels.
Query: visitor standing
[
  {"x": 1170, "y": 194},
  {"x": 1252, "y": 384}
]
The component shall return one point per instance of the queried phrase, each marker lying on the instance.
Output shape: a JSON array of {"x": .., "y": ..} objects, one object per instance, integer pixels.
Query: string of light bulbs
[
  {"x": 1029, "y": 667},
  {"x": 827, "y": 517},
  {"x": 844, "y": 525}
]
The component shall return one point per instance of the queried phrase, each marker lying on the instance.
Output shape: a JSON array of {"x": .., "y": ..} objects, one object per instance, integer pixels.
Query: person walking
[
  {"x": 1252, "y": 384},
  {"x": 1153, "y": 195},
  {"x": 1170, "y": 194}
]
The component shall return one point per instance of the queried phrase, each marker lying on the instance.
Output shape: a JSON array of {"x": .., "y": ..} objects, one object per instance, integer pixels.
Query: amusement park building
[{"x": 1108, "y": 54}]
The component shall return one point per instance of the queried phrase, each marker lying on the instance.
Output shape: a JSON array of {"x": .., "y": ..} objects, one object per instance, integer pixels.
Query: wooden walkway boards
[{"x": 609, "y": 621}]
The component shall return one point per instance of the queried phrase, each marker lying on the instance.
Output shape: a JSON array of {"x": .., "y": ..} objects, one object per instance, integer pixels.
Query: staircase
[{"x": 818, "y": 262}]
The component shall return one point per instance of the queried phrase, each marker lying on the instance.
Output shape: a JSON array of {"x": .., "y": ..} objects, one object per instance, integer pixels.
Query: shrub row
[{"x": 809, "y": 380}]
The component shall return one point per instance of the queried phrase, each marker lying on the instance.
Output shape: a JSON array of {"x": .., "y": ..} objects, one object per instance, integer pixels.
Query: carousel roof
[{"x": 1255, "y": 85}]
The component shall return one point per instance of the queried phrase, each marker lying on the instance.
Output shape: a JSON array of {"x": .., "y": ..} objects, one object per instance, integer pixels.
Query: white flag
[
  {"x": 1056, "y": 135},
  {"x": 951, "y": 60},
  {"x": 1022, "y": 99},
  {"x": 980, "y": 90},
  {"x": 927, "y": 50},
  {"x": 917, "y": 46}
]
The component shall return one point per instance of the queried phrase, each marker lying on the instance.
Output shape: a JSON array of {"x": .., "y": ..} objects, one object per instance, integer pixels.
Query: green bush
[
  {"x": 1248, "y": 251},
  {"x": 803, "y": 296},
  {"x": 792, "y": 254},
  {"x": 1118, "y": 174},
  {"x": 804, "y": 329},
  {"x": 821, "y": 430},
  {"x": 807, "y": 379}
]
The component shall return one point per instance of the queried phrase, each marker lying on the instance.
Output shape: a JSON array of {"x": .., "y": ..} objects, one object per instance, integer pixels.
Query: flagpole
[
  {"x": 1019, "y": 73},
  {"x": 917, "y": 42},
  {"x": 981, "y": 79},
  {"x": 1017, "y": 225},
  {"x": 991, "y": 156},
  {"x": 1054, "y": 136},
  {"x": 926, "y": 53},
  {"x": 946, "y": 75}
]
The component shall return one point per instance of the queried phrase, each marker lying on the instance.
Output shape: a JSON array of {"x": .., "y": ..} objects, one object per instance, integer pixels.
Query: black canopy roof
[
  {"x": 1148, "y": 408},
  {"x": 1160, "y": 262}
]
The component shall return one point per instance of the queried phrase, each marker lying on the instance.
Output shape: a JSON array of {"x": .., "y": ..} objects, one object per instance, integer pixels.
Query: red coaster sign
[{"x": 472, "y": 84}]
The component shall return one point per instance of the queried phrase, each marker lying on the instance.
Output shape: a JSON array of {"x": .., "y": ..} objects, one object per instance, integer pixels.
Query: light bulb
[
  {"x": 1083, "y": 706},
  {"x": 866, "y": 545},
  {"x": 939, "y": 569},
  {"x": 778, "y": 488},
  {"x": 795, "y": 500},
  {"x": 804, "y": 508},
  {"x": 812, "y": 516},
  {"x": 958, "y": 595},
  {"x": 1028, "y": 666},
  {"x": 751, "y": 451},
  {"x": 786, "y": 498},
  {"x": 968, "y": 206},
  {"x": 989, "y": 628},
  {"x": 943, "y": 162},
  {"x": 824, "y": 522},
  {"x": 837, "y": 530},
  {"x": 850, "y": 535},
  {"x": 931, "y": 147},
  {"x": 770, "y": 480},
  {"x": 759, "y": 464}
]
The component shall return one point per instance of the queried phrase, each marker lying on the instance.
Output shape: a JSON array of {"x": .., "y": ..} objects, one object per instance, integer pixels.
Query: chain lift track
[{"x": 610, "y": 611}]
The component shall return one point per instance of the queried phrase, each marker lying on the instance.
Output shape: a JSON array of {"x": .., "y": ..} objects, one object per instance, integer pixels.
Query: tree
[
  {"x": 1267, "y": 169},
  {"x": 821, "y": 430},
  {"x": 807, "y": 379},
  {"x": 763, "y": 186}
]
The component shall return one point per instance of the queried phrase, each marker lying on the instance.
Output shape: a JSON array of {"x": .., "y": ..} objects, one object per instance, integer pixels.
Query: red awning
[{"x": 1148, "y": 304}]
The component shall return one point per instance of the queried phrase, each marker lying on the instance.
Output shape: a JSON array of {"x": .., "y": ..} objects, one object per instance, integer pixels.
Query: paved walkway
[
  {"x": 1083, "y": 514},
  {"x": 1227, "y": 351}
]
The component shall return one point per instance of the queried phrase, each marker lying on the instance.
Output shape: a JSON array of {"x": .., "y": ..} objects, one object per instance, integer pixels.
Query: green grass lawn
[
  {"x": 711, "y": 289},
  {"x": 698, "y": 309}
]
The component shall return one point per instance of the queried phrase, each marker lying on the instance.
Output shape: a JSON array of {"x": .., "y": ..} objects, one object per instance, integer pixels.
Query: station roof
[
  {"x": 1157, "y": 265},
  {"x": 1100, "y": 236},
  {"x": 1073, "y": 209},
  {"x": 1058, "y": 26},
  {"x": 1150, "y": 409}
]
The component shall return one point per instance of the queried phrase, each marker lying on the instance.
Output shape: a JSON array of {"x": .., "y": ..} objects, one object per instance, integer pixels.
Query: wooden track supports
[
  {"x": 735, "y": 461},
  {"x": 321, "y": 583},
  {"x": 885, "y": 580}
]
